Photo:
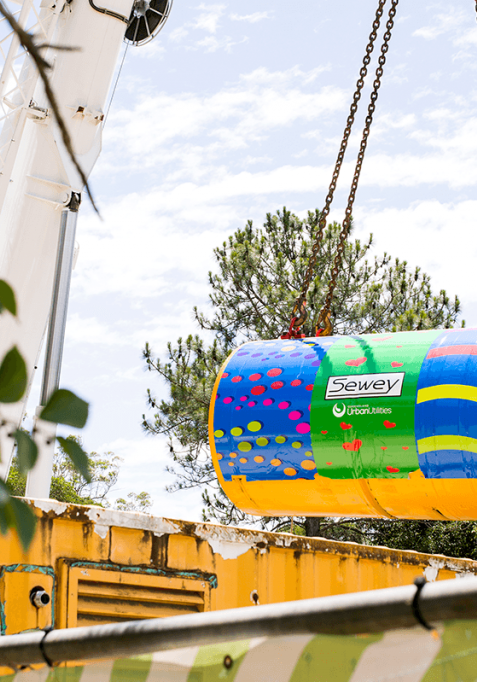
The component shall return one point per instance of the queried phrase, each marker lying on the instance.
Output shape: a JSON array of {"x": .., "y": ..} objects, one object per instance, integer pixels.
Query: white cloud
[
  {"x": 251, "y": 18},
  {"x": 444, "y": 22},
  {"x": 435, "y": 235},
  {"x": 209, "y": 19},
  {"x": 89, "y": 330},
  {"x": 143, "y": 469},
  {"x": 178, "y": 34},
  {"x": 212, "y": 44},
  {"x": 251, "y": 109}
]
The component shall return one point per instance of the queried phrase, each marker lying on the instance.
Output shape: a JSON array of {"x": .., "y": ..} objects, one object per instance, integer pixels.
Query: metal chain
[
  {"x": 299, "y": 313},
  {"x": 324, "y": 315}
]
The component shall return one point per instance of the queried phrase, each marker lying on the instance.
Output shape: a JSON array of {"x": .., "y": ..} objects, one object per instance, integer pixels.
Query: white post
[{"x": 39, "y": 478}]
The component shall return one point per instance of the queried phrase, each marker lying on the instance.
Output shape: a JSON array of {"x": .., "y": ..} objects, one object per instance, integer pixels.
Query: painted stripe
[
  {"x": 209, "y": 663},
  {"x": 452, "y": 350},
  {"x": 172, "y": 666},
  {"x": 135, "y": 668},
  {"x": 434, "y": 443},
  {"x": 275, "y": 659},
  {"x": 97, "y": 672},
  {"x": 454, "y": 391},
  {"x": 403, "y": 655}
]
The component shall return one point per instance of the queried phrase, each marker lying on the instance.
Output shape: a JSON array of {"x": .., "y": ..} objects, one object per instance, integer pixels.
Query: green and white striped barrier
[{"x": 410, "y": 655}]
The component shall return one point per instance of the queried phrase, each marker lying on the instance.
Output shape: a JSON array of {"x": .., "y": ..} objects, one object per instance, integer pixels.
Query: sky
[{"x": 235, "y": 110}]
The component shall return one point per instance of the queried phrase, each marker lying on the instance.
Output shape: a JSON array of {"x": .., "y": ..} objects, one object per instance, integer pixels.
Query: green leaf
[
  {"x": 13, "y": 377},
  {"x": 77, "y": 455},
  {"x": 27, "y": 451},
  {"x": 17, "y": 515},
  {"x": 7, "y": 298},
  {"x": 4, "y": 494},
  {"x": 24, "y": 521},
  {"x": 64, "y": 407}
]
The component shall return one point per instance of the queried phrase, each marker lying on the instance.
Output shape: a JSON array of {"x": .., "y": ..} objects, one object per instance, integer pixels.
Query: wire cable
[{"x": 116, "y": 84}]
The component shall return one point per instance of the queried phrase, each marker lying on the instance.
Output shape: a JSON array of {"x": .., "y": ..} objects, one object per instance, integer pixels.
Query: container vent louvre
[
  {"x": 96, "y": 596},
  {"x": 102, "y": 602}
]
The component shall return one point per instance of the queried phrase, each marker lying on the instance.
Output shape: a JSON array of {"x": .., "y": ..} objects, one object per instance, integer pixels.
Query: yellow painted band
[
  {"x": 446, "y": 443},
  {"x": 447, "y": 391}
]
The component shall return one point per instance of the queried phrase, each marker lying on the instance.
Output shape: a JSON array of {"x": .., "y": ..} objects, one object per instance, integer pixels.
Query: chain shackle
[{"x": 326, "y": 310}]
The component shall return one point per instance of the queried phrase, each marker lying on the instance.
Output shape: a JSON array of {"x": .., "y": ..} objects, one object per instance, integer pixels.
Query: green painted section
[
  {"x": 329, "y": 658},
  {"x": 128, "y": 669},
  {"x": 211, "y": 579},
  {"x": 457, "y": 658},
  {"x": 65, "y": 674},
  {"x": 209, "y": 663},
  {"x": 362, "y": 425},
  {"x": 27, "y": 568}
]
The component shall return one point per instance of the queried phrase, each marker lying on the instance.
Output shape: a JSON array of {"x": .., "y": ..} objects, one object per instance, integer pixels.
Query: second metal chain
[
  {"x": 326, "y": 310},
  {"x": 299, "y": 311}
]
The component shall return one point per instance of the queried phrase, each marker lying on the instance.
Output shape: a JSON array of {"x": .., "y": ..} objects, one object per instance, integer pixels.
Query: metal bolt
[{"x": 39, "y": 597}]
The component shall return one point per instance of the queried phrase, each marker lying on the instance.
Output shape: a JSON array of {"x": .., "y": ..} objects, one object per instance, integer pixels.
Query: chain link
[
  {"x": 324, "y": 316},
  {"x": 299, "y": 313}
]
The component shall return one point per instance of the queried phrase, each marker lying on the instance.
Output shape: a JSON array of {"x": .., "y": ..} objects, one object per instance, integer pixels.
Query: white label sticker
[{"x": 388, "y": 385}]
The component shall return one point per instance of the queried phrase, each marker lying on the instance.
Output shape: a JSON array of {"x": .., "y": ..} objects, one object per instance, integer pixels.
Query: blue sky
[{"x": 235, "y": 110}]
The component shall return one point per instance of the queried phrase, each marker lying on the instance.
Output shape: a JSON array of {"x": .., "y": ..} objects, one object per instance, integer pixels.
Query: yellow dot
[
  {"x": 309, "y": 453},
  {"x": 219, "y": 456},
  {"x": 244, "y": 446},
  {"x": 231, "y": 464},
  {"x": 254, "y": 426},
  {"x": 219, "y": 433},
  {"x": 276, "y": 462},
  {"x": 259, "y": 459},
  {"x": 308, "y": 464},
  {"x": 233, "y": 455},
  {"x": 288, "y": 348},
  {"x": 289, "y": 471},
  {"x": 236, "y": 431},
  {"x": 297, "y": 445},
  {"x": 243, "y": 460},
  {"x": 262, "y": 442},
  {"x": 280, "y": 439}
]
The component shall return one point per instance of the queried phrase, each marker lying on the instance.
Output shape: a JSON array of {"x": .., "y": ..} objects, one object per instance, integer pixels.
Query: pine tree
[{"x": 258, "y": 276}]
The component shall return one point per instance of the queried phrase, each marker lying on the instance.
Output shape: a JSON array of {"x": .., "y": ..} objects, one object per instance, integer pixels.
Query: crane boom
[{"x": 38, "y": 178}]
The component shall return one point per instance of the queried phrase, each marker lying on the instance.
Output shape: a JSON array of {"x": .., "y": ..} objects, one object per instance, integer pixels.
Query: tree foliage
[
  {"x": 259, "y": 273},
  {"x": 68, "y": 485}
]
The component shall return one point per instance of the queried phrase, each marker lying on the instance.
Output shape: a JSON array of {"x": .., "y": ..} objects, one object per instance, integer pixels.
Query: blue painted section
[
  {"x": 262, "y": 409},
  {"x": 448, "y": 417},
  {"x": 449, "y": 464}
]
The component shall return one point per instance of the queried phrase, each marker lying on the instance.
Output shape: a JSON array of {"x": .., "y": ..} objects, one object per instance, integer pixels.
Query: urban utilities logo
[{"x": 339, "y": 410}]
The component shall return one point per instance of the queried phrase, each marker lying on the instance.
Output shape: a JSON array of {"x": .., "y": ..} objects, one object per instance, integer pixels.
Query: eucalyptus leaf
[
  {"x": 13, "y": 377},
  {"x": 7, "y": 298},
  {"x": 4, "y": 494},
  {"x": 64, "y": 407},
  {"x": 27, "y": 451},
  {"x": 77, "y": 455},
  {"x": 24, "y": 521}
]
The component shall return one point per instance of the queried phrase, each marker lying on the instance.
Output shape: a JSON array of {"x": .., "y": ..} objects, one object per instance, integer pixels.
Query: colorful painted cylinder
[{"x": 372, "y": 425}]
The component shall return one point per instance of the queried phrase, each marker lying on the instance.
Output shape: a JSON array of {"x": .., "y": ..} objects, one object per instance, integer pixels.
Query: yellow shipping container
[{"x": 100, "y": 566}]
